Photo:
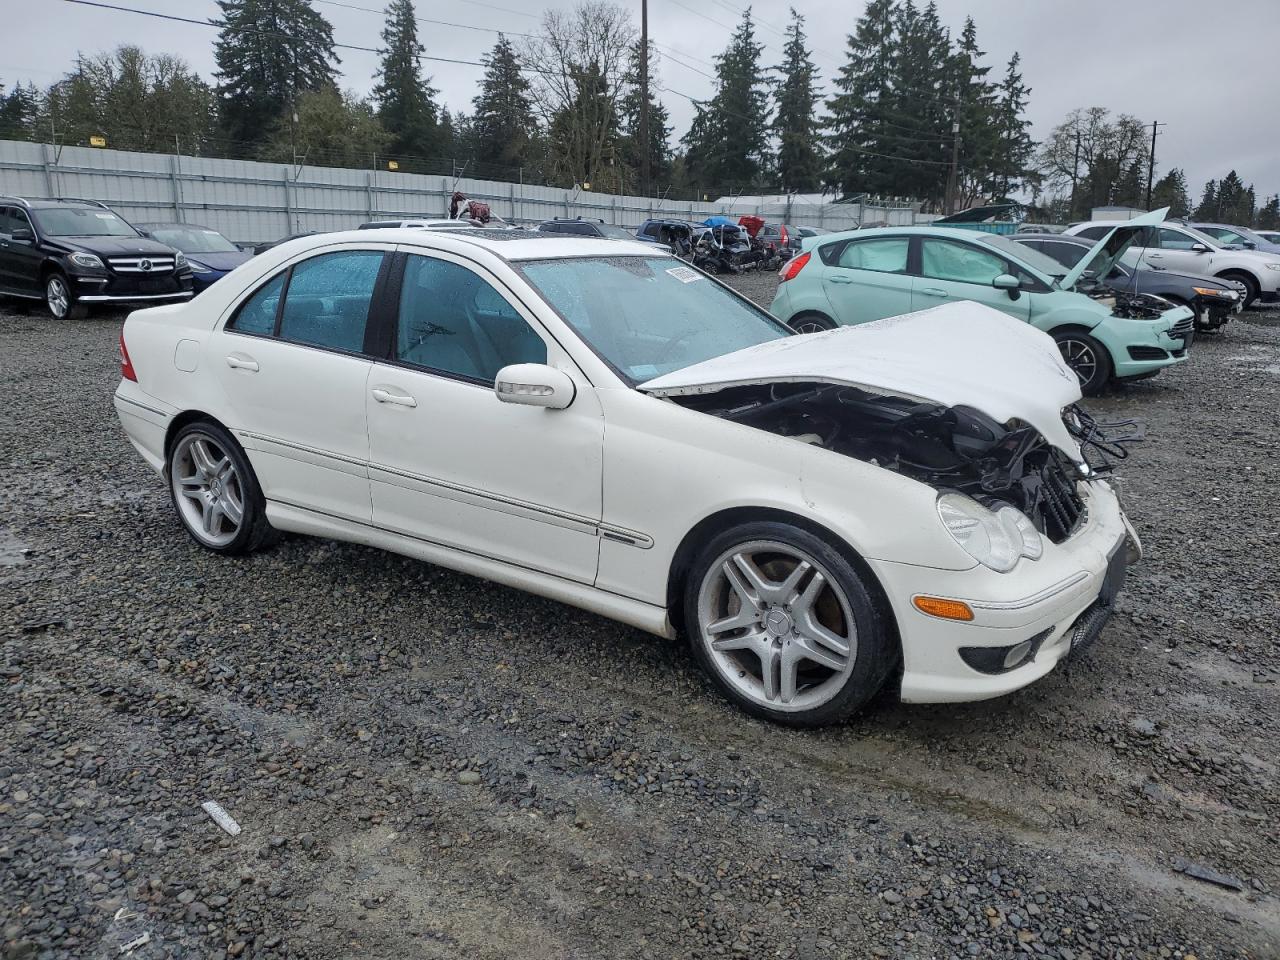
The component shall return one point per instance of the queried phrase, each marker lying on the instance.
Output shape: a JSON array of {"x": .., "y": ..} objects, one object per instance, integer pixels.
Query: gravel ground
[{"x": 426, "y": 765}]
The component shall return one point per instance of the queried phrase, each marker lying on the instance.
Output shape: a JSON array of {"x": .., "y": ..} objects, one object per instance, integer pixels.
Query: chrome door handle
[
  {"x": 934, "y": 292},
  {"x": 241, "y": 363},
  {"x": 399, "y": 399},
  {"x": 839, "y": 279}
]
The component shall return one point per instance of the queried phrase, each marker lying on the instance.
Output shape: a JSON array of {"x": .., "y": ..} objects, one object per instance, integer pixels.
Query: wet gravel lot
[{"x": 426, "y": 765}]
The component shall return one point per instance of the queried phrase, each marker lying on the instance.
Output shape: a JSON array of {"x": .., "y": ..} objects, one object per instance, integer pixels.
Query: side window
[
  {"x": 7, "y": 221},
  {"x": 258, "y": 313},
  {"x": 1094, "y": 233},
  {"x": 948, "y": 260},
  {"x": 327, "y": 303},
  {"x": 650, "y": 230},
  {"x": 453, "y": 320},
  {"x": 1173, "y": 240},
  {"x": 18, "y": 220},
  {"x": 1067, "y": 254},
  {"x": 887, "y": 255}
]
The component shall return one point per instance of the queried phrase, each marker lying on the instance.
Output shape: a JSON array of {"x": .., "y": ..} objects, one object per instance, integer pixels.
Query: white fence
[{"x": 251, "y": 202}]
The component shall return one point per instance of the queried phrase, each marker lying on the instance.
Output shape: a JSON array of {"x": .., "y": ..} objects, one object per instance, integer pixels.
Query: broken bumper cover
[{"x": 1060, "y": 602}]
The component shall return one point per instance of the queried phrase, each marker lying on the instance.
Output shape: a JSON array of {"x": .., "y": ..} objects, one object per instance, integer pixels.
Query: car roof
[
  {"x": 172, "y": 223},
  {"x": 45, "y": 203},
  {"x": 1064, "y": 238},
  {"x": 512, "y": 245}
]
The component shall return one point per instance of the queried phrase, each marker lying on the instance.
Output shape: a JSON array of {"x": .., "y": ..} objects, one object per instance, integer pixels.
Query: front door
[
  {"x": 292, "y": 364},
  {"x": 452, "y": 464},
  {"x": 19, "y": 259},
  {"x": 955, "y": 270},
  {"x": 1170, "y": 249},
  {"x": 868, "y": 280}
]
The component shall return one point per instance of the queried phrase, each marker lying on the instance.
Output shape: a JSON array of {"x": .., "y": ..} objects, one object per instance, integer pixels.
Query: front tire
[
  {"x": 59, "y": 299},
  {"x": 215, "y": 491},
  {"x": 1251, "y": 288},
  {"x": 1087, "y": 357},
  {"x": 784, "y": 626}
]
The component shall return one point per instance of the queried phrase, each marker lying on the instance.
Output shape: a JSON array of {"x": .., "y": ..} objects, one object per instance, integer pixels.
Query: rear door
[
  {"x": 868, "y": 279},
  {"x": 293, "y": 365},
  {"x": 956, "y": 270}
]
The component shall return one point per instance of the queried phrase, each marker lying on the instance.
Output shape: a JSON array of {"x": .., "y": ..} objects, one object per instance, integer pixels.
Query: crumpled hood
[{"x": 957, "y": 354}]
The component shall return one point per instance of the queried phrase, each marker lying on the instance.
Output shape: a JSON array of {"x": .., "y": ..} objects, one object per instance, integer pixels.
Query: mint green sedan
[{"x": 1104, "y": 334}]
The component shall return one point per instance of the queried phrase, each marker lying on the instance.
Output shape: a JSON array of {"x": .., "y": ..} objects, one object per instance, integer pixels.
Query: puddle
[{"x": 11, "y": 548}]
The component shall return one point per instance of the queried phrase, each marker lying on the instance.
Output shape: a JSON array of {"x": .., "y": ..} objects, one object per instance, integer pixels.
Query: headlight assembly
[
  {"x": 1215, "y": 292},
  {"x": 179, "y": 260},
  {"x": 997, "y": 539},
  {"x": 1273, "y": 266},
  {"x": 89, "y": 261}
]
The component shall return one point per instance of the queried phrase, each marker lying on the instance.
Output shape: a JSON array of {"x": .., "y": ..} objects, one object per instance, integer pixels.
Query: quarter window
[
  {"x": 887, "y": 255},
  {"x": 947, "y": 260},
  {"x": 454, "y": 321},
  {"x": 258, "y": 314},
  {"x": 327, "y": 303}
]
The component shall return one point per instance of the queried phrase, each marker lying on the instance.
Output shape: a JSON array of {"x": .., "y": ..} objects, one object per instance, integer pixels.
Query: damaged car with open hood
[
  {"x": 917, "y": 502},
  {"x": 1105, "y": 334}
]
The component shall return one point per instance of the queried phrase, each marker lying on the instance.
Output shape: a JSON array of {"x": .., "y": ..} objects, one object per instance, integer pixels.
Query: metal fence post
[
  {"x": 174, "y": 170},
  {"x": 288, "y": 205},
  {"x": 368, "y": 195},
  {"x": 49, "y": 180}
]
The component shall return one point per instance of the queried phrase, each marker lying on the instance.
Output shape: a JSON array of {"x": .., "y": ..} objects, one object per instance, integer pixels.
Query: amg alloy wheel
[
  {"x": 57, "y": 296},
  {"x": 214, "y": 490},
  {"x": 783, "y": 624}
]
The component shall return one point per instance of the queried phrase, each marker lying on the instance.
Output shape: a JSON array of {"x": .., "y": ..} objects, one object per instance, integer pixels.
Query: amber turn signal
[{"x": 946, "y": 609}]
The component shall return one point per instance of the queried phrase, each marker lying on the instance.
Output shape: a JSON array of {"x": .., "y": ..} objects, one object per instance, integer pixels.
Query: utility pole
[
  {"x": 644, "y": 97},
  {"x": 953, "y": 177},
  {"x": 1151, "y": 166}
]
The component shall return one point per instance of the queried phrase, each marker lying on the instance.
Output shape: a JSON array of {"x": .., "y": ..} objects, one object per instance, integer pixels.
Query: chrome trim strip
[
  {"x": 143, "y": 406},
  {"x": 1047, "y": 593},
  {"x": 133, "y": 298}
]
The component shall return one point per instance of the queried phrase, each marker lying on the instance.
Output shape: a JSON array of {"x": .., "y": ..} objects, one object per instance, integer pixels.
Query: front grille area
[
  {"x": 1147, "y": 353},
  {"x": 1183, "y": 328},
  {"x": 1061, "y": 507},
  {"x": 158, "y": 264}
]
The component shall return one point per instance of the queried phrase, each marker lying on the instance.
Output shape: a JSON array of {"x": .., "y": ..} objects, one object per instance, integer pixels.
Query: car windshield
[
  {"x": 648, "y": 316},
  {"x": 616, "y": 233},
  {"x": 74, "y": 222},
  {"x": 1041, "y": 263},
  {"x": 194, "y": 239}
]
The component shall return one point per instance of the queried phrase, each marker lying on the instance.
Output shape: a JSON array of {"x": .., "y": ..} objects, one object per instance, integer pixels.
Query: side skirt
[{"x": 643, "y": 616}]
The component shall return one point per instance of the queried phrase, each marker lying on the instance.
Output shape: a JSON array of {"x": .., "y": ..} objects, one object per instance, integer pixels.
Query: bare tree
[
  {"x": 578, "y": 68},
  {"x": 1095, "y": 158}
]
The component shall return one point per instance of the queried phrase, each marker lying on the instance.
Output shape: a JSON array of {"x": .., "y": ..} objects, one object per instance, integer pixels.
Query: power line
[{"x": 438, "y": 23}]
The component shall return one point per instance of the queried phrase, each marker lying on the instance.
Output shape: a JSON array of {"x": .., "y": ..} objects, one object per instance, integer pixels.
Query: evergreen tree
[
  {"x": 19, "y": 112},
  {"x": 1236, "y": 202},
  {"x": 406, "y": 104},
  {"x": 796, "y": 122},
  {"x": 632, "y": 148},
  {"x": 728, "y": 142},
  {"x": 585, "y": 133},
  {"x": 861, "y": 158},
  {"x": 268, "y": 53},
  {"x": 1171, "y": 191},
  {"x": 502, "y": 128},
  {"x": 1011, "y": 156},
  {"x": 922, "y": 110},
  {"x": 1208, "y": 208},
  {"x": 976, "y": 113},
  {"x": 1269, "y": 215},
  {"x": 333, "y": 129}
]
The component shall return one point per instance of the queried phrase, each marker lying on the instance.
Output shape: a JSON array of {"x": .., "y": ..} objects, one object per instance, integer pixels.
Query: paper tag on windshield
[
  {"x": 685, "y": 274},
  {"x": 105, "y": 216}
]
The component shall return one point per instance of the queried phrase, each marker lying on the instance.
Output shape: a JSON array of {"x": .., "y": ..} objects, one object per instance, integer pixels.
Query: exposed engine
[
  {"x": 1130, "y": 306},
  {"x": 950, "y": 448}
]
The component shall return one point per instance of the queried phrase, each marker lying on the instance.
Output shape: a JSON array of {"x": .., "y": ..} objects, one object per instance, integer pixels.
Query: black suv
[{"x": 74, "y": 253}]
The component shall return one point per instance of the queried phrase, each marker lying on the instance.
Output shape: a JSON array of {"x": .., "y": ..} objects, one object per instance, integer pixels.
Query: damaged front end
[{"x": 956, "y": 449}]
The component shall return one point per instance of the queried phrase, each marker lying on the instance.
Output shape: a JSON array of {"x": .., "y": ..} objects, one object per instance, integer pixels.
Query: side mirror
[
  {"x": 1199, "y": 248},
  {"x": 1010, "y": 284},
  {"x": 1250, "y": 245},
  {"x": 23, "y": 235},
  {"x": 534, "y": 384}
]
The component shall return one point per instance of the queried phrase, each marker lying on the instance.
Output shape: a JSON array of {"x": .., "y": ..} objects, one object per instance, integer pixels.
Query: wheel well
[
  {"x": 812, "y": 313},
  {"x": 49, "y": 267},
  {"x": 1244, "y": 276},
  {"x": 180, "y": 421},
  {"x": 709, "y": 526}
]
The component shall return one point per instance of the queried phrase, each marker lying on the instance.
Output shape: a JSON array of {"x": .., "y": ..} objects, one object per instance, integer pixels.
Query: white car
[
  {"x": 1173, "y": 245},
  {"x": 597, "y": 422}
]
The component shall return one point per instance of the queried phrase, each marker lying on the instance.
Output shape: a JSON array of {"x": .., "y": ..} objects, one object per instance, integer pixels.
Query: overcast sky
[{"x": 1151, "y": 58}]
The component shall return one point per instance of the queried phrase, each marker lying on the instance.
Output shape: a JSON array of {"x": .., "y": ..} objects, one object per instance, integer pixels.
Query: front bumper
[
  {"x": 1054, "y": 600},
  {"x": 1148, "y": 346},
  {"x": 114, "y": 288}
]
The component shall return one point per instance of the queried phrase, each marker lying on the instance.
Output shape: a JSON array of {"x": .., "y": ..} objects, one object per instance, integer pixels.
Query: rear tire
[
  {"x": 215, "y": 491},
  {"x": 811, "y": 322},
  {"x": 784, "y": 626},
  {"x": 1087, "y": 357}
]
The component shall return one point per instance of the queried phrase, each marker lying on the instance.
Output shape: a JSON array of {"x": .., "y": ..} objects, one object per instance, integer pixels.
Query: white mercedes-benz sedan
[{"x": 915, "y": 500}]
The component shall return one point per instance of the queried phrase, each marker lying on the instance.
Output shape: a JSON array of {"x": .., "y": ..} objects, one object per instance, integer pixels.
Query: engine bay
[
  {"x": 1128, "y": 305},
  {"x": 949, "y": 448}
]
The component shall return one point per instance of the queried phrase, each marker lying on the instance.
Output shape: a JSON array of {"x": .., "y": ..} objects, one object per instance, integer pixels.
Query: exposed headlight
[
  {"x": 1215, "y": 292},
  {"x": 997, "y": 539},
  {"x": 90, "y": 261},
  {"x": 1273, "y": 266},
  {"x": 196, "y": 266}
]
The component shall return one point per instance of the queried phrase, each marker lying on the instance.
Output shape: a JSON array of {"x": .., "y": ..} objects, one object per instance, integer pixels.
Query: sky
[{"x": 1148, "y": 58}]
